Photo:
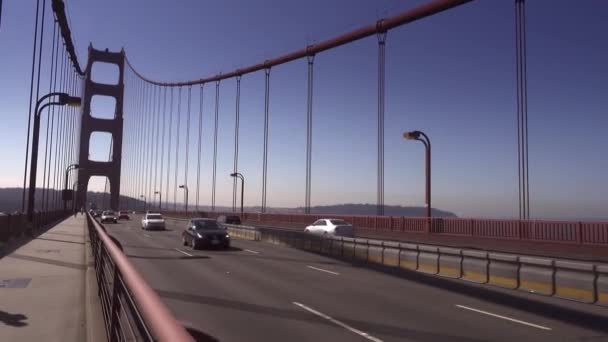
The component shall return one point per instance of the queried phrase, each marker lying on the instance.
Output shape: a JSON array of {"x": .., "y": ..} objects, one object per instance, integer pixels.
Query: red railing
[
  {"x": 132, "y": 311},
  {"x": 589, "y": 233}
]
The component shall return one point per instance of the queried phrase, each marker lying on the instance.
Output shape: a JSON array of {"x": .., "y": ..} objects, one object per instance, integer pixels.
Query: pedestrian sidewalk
[{"x": 43, "y": 283}]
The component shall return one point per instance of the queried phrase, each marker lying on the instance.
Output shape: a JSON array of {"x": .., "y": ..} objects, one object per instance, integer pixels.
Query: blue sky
[{"x": 452, "y": 76}]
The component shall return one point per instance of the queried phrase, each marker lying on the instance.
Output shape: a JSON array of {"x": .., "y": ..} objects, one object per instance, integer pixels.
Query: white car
[
  {"x": 108, "y": 216},
  {"x": 336, "y": 227},
  {"x": 153, "y": 221}
]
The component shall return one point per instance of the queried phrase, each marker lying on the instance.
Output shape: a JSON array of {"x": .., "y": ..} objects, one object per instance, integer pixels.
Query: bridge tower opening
[{"x": 94, "y": 122}]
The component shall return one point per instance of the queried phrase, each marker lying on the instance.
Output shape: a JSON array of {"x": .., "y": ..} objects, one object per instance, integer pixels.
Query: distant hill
[
  {"x": 10, "y": 199},
  {"x": 370, "y": 210},
  {"x": 345, "y": 209}
]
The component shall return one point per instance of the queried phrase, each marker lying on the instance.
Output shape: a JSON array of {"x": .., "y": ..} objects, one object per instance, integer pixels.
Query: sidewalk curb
[{"x": 95, "y": 327}]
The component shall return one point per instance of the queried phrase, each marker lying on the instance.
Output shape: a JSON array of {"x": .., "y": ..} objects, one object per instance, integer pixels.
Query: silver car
[
  {"x": 153, "y": 221},
  {"x": 108, "y": 216}
]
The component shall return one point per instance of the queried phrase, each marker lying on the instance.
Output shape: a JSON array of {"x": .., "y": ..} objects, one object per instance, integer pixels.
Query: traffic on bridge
[{"x": 344, "y": 171}]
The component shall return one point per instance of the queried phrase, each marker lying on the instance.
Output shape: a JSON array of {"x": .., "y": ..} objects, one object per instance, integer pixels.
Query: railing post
[
  {"x": 115, "y": 305},
  {"x": 519, "y": 230},
  {"x": 579, "y": 233}
]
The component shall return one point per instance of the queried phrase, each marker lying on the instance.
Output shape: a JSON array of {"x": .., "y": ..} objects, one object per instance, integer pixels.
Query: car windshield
[
  {"x": 338, "y": 222},
  {"x": 206, "y": 225},
  {"x": 154, "y": 217},
  {"x": 108, "y": 213}
]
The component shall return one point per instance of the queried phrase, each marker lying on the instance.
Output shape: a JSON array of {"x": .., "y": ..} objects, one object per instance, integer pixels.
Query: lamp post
[
  {"x": 160, "y": 198},
  {"x": 63, "y": 99},
  {"x": 185, "y": 187},
  {"x": 240, "y": 175},
  {"x": 65, "y": 186},
  {"x": 420, "y": 136},
  {"x": 145, "y": 202}
]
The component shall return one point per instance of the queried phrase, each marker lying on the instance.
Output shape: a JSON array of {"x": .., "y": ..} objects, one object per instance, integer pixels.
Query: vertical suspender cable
[
  {"x": 518, "y": 96},
  {"x": 265, "y": 157},
  {"x": 162, "y": 150},
  {"x": 137, "y": 164},
  {"x": 179, "y": 104},
  {"x": 49, "y": 120},
  {"x": 30, "y": 114},
  {"x": 156, "y": 136},
  {"x": 311, "y": 60},
  {"x": 381, "y": 73},
  {"x": 41, "y": 41},
  {"x": 55, "y": 157},
  {"x": 522, "y": 111},
  {"x": 200, "y": 138},
  {"x": 144, "y": 150},
  {"x": 217, "y": 106},
  {"x": 187, "y": 146},
  {"x": 525, "y": 102},
  {"x": 169, "y": 149},
  {"x": 236, "y": 139},
  {"x": 151, "y": 147},
  {"x": 142, "y": 145}
]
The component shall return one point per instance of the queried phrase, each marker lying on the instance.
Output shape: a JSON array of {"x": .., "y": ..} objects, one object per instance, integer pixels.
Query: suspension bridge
[{"x": 397, "y": 278}]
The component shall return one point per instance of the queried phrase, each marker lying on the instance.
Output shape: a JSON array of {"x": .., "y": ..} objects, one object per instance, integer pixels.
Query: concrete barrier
[
  {"x": 602, "y": 284},
  {"x": 326, "y": 245},
  {"x": 428, "y": 259},
  {"x": 361, "y": 248},
  {"x": 575, "y": 280},
  {"x": 475, "y": 266},
  {"x": 503, "y": 270},
  {"x": 536, "y": 275},
  {"x": 408, "y": 256},
  {"x": 315, "y": 243},
  {"x": 348, "y": 247},
  {"x": 374, "y": 251},
  {"x": 450, "y": 262},
  {"x": 336, "y": 246},
  {"x": 390, "y": 254}
]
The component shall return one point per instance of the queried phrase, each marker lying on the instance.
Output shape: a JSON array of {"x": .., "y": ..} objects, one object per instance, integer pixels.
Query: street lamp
[
  {"x": 63, "y": 99},
  {"x": 65, "y": 186},
  {"x": 239, "y": 175},
  {"x": 420, "y": 136},
  {"x": 145, "y": 202},
  {"x": 183, "y": 186},
  {"x": 160, "y": 199}
]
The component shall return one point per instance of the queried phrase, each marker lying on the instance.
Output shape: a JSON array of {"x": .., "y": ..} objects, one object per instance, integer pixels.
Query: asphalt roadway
[{"x": 262, "y": 292}]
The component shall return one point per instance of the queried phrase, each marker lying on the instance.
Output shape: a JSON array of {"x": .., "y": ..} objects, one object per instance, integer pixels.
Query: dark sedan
[{"x": 205, "y": 233}]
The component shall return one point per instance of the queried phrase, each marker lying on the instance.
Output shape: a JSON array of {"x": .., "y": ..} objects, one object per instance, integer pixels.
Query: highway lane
[{"x": 260, "y": 291}]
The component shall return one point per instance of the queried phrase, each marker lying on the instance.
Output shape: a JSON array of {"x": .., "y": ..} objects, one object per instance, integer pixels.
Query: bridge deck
[{"x": 42, "y": 286}]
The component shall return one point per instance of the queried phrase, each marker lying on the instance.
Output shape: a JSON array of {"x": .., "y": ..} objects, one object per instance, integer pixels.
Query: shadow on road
[
  {"x": 14, "y": 320},
  {"x": 179, "y": 257},
  {"x": 300, "y": 315},
  {"x": 231, "y": 249},
  {"x": 200, "y": 336},
  {"x": 56, "y": 240}
]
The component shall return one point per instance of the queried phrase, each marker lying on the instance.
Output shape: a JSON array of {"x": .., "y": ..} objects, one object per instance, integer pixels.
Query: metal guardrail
[
  {"x": 132, "y": 311},
  {"x": 569, "y": 232}
]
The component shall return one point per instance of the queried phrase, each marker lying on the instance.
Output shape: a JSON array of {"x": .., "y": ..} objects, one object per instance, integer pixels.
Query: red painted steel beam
[
  {"x": 380, "y": 26},
  {"x": 156, "y": 315},
  {"x": 59, "y": 9}
]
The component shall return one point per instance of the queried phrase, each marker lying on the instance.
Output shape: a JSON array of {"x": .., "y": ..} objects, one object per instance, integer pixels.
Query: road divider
[{"x": 585, "y": 282}]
